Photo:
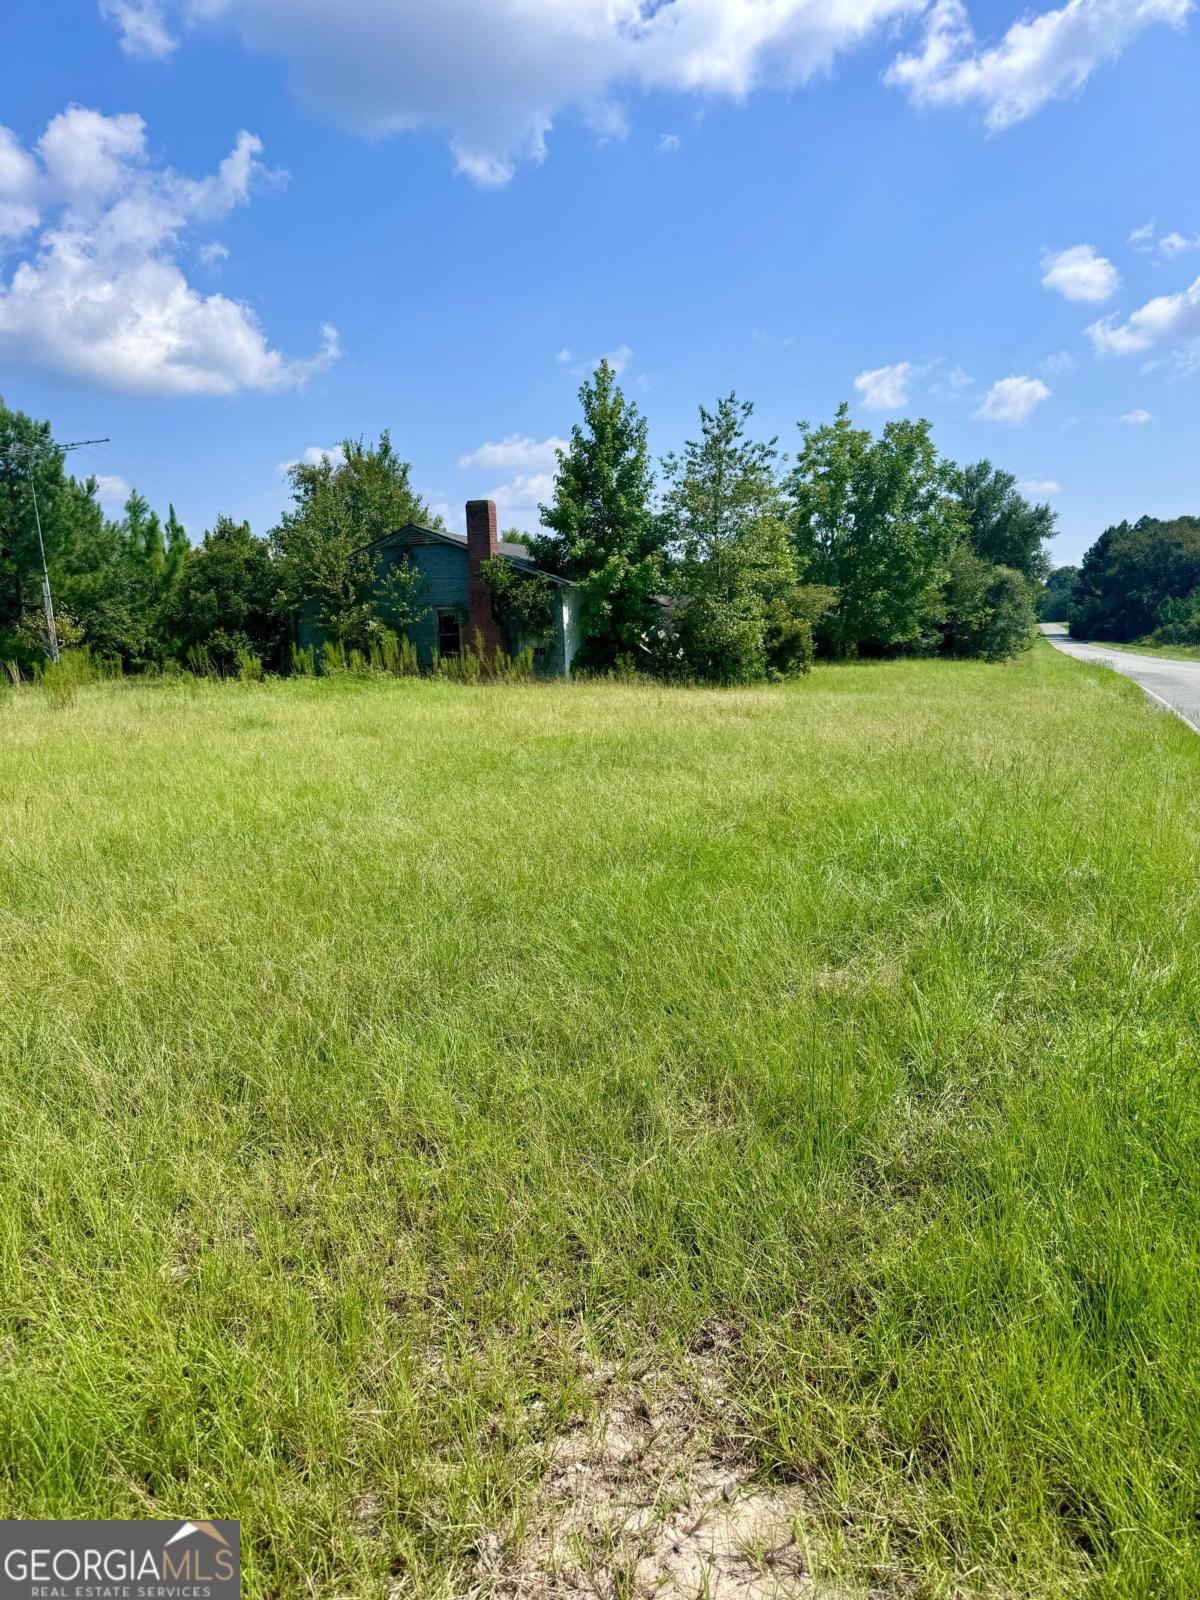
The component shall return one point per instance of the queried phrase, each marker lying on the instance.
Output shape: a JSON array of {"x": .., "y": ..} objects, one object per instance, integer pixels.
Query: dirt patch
[{"x": 654, "y": 1499}]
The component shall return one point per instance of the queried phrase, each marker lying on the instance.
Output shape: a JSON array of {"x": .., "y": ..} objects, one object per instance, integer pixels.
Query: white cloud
[
  {"x": 1080, "y": 274},
  {"x": 885, "y": 388},
  {"x": 516, "y": 452},
  {"x": 493, "y": 76},
  {"x": 88, "y": 157},
  {"x": 1039, "y": 488},
  {"x": 313, "y": 457},
  {"x": 451, "y": 515},
  {"x": 1060, "y": 361},
  {"x": 1041, "y": 58},
  {"x": 213, "y": 252},
  {"x": 19, "y": 184},
  {"x": 141, "y": 25},
  {"x": 669, "y": 143},
  {"x": 620, "y": 360},
  {"x": 1185, "y": 360},
  {"x": 1170, "y": 245},
  {"x": 97, "y": 293},
  {"x": 1013, "y": 400},
  {"x": 1166, "y": 317},
  {"x": 517, "y": 501},
  {"x": 112, "y": 491},
  {"x": 1137, "y": 417},
  {"x": 564, "y": 357}
]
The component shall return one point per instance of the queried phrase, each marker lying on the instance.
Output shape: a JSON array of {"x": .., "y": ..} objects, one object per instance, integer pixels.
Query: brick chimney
[{"x": 481, "y": 545}]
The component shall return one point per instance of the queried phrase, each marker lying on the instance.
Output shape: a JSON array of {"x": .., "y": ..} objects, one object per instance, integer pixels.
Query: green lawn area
[{"x": 395, "y": 1074}]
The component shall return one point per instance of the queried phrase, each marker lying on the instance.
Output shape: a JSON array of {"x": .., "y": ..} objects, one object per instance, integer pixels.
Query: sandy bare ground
[{"x": 651, "y": 1499}]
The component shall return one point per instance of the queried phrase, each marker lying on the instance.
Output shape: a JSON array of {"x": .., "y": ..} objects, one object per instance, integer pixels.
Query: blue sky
[{"x": 232, "y": 231}]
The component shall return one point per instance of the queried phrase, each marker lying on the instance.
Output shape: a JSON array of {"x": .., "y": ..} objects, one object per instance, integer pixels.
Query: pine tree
[
  {"x": 604, "y": 532},
  {"x": 741, "y": 611},
  {"x": 177, "y": 547}
]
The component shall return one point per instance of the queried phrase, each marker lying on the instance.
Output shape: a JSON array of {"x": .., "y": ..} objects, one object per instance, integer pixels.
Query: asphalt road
[{"x": 1174, "y": 683}]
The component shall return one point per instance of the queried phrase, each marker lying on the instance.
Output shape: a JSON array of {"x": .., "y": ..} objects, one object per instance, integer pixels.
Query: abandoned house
[{"x": 458, "y": 601}]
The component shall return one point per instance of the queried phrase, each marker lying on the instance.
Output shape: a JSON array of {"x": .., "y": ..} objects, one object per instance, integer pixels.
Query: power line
[{"x": 47, "y": 597}]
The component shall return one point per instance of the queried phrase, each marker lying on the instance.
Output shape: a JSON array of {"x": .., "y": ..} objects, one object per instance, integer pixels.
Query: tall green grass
[{"x": 372, "y": 1049}]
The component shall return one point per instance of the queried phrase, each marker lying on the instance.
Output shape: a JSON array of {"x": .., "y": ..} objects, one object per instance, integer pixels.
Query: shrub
[
  {"x": 395, "y": 654},
  {"x": 333, "y": 658},
  {"x": 988, "y": 609},
  {"x": 1180, "y": 621},
  {"x": 523, "y": 599},
  {"x": 60, "y": 679},
  {"x": 478, "y": 664},
  {"x": 717, "y": 643}
]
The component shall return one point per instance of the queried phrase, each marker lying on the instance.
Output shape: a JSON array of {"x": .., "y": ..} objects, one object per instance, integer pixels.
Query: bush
[
  {"x": 523, "y": 599},
  {"x": 478, "y": 664},
  {"x": 1180, "y": 622},
  {"x": 751, "y": 640},
  {"x": 395, "y": 654},
  {"x": 60, "y": 679},
  {"x": 988, "y": 609},
  {"x": 713, "y": 642}
]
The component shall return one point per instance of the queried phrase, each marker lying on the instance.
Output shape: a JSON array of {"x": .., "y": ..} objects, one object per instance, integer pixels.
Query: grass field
[
  {"x": 1171, "y": 652},
  {"x": 399, "y": 1078}
]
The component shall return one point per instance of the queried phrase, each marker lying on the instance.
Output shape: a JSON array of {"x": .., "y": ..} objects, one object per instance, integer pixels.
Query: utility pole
[{"x": 47, "y": 597}]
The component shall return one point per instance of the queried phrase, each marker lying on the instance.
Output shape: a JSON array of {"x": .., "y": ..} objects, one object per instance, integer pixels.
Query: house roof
[{"x": 517, "y": 554}]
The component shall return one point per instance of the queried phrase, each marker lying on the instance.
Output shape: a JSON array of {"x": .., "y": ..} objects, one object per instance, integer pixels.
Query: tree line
[
  {"x": 728, "y": 563},
  {"x": 1140, "y": 580}
]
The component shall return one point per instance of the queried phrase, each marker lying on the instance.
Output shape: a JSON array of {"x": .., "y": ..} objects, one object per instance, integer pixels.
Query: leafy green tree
[
  {"x": 739, "y": 609},
  {"x": 988, "y": 608},
  {"x": 101, "y": 581},
  {"x": 97, "y": 576},
  {"x": 1131, "y": 573},
  {"x": 323, "y": 564},
  {"x": 28, "y": 461},
  {"x": 1001, "y": 525},
  {"x": 1092, "y": 582},
  {"x": 603, "y": 532},
  {"x": 224, "y": 600},
  {"x": 875, "y": 520}
]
